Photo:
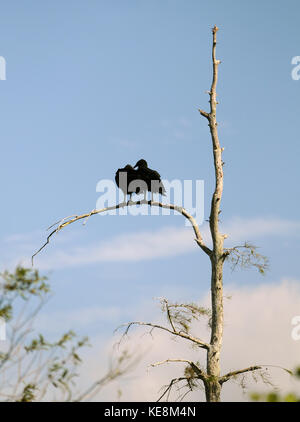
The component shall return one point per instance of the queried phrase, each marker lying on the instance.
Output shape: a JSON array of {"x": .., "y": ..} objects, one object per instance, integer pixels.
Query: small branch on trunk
[{"x": 204, "y": 113}]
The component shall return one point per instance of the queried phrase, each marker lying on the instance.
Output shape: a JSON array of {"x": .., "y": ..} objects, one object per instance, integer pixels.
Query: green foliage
[
  {"x": 6, "y": 311},
  {"x": 181, "y": 316},
  {"x": 192, "y": 376},
  {"x": 24, "y": 283},
  {"x": 274, "y": 396},
  {"x": 28, "y": 393},
  {"x": 38, "y": 344},
  {"x": 34, "y": 368},
  {"x": 246, "y": 256}
]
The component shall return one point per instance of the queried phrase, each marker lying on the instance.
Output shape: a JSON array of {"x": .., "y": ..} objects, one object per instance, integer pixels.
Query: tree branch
[
  {"x": 217, "y": 151},
  {"x": 200, "y": 374},
  {"x": 246, "y": 256},
  {"x": 168, "y": 389},
  {"x": 72, "y": 219},
  {"x": 181, "y": 334},
  {"x": 204, "y": 113},
  {"x": 226, "y": 377},
  {"x": 169, "y": 315}
]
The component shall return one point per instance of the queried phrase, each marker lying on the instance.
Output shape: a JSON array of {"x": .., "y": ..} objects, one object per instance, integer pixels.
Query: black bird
[
  {"x": 151, "y": 177},
  {"x": 124, "y": 180}
]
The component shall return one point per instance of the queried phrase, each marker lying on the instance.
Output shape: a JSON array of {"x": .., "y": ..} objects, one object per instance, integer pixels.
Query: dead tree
[{"x": 211, "y": 376}]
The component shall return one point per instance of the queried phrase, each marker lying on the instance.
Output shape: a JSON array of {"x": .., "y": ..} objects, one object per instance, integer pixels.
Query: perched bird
[
  {"x": 151, "y": 178},
  {"x": 124, "y": 178}
]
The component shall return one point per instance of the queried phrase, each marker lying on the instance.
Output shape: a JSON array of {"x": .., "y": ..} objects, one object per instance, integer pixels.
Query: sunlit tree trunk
[{"x": 212, "y": 385}]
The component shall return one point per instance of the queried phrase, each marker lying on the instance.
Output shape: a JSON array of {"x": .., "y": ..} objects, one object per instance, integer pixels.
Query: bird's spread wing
[{"x": 151, "y": 174}]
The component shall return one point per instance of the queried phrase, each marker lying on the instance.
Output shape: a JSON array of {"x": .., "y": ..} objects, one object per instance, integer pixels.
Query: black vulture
[
  {"x": 123, "y": 179},
  {"x": 151, "y": 177}
]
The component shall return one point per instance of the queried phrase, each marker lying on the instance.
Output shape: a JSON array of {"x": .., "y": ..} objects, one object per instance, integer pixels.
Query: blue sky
[{"x": 92, "y": 86}]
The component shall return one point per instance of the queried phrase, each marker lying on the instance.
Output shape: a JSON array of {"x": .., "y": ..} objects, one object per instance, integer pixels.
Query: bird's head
[{"x": 141, "y": 163}]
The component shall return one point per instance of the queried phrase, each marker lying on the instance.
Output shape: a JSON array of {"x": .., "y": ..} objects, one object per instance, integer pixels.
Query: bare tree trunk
[{"x": 212, "y": 385}]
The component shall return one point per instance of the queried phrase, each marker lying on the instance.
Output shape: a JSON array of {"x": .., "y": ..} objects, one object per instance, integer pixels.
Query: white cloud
[
  {"x": 166, "y": 242},
  {"x": 257, "y": 331},
  {"x": 127, "y": 247},
  {"x": 140, "y": 246}
]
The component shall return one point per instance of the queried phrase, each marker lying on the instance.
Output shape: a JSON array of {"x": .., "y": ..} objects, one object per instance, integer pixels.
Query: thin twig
[
  {"x": 168, "y": 389},
  {"x": 181, "y": 334},
  {"x": 201, "y": 375}
]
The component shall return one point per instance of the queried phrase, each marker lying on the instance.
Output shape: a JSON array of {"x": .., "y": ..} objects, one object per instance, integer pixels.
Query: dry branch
[
  {"x": 227, "y": 377},
  {"x": 72, "y": 219},
  {"x": 181, "y": 334},
  {"x": 246, "y": 256},
  {"x": 171, "y": 384},
  {"x": 200, "y": 374}
]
